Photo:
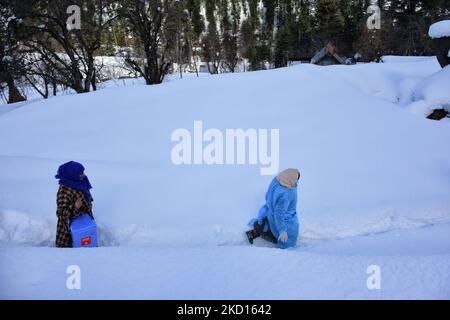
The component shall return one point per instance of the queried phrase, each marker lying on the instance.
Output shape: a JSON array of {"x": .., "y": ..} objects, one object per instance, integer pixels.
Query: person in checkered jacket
[{"x": 73, "y": 199}]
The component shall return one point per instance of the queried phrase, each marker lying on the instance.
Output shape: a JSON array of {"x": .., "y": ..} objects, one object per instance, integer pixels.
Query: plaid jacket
[{"x": 65, "y": 203}]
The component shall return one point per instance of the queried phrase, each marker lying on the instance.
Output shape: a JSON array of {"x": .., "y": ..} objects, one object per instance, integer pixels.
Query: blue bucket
[{"x": 84, "y": 231}]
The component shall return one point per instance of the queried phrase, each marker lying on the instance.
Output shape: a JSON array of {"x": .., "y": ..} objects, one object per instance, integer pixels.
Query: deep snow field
[{"x": 375, "y": 187}]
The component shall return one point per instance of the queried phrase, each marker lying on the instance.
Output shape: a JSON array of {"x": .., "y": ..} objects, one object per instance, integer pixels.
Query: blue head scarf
[{"x": 69, "y": 175}]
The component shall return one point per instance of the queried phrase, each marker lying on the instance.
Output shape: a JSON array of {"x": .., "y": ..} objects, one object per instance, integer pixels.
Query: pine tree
[
  {"x": 194, "y": 28},
  {"x": 305, "y": 25},
  {"x": 329, "y": 21},
  {"x": 353, "y": 12},
  {"x": 253, "y": 45},
  {"x": 211, "y": 42},
  {"x": 196, "y": 19},
  {"x": 229, "y": 12},
  {"x": 411, "y": 20},
  {"x": 287, "y": 36},
  {"x": 282, "y": 47}
]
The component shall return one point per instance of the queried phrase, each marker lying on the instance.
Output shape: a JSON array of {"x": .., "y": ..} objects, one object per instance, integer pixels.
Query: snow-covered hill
[{"x": 369, "y": 166}]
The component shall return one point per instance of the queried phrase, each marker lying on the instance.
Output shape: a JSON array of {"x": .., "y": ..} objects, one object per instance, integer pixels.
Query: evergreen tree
[
  {"x": 195, "y": 18},
  {"x": 353, "y": 12},
  {"x": 211, "y": 42},
  {"x": 287, "y": 35},
  {"x": 194, "y": 28},
  {"x": 229, "y": 12},
  {"x": 282, "y": 47},
  {"x": 329, "y": 22},
  {"x": 305, "y": 28},
  {"x": 253, "y": 45}
]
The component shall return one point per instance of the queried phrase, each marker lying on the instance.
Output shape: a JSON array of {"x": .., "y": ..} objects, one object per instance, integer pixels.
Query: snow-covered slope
[{"x": 368, "y": 166}]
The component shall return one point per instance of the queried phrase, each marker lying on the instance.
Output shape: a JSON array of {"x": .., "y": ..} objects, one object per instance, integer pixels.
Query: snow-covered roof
[
  {"x": 440, "y": 29},
  {"x": 323, "y": 52}
]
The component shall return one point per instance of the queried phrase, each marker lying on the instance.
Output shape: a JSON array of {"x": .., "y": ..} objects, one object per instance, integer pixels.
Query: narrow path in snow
[
  {"x": 414, "y": 264},
  {"x": 19, "y": 229}
]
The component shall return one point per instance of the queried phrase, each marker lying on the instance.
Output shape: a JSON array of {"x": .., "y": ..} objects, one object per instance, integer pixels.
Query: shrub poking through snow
[{"x": 438, "y": 114}]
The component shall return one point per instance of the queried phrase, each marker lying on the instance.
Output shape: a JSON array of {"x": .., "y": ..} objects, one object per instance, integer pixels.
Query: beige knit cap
[{"x": 288, "y": 177}]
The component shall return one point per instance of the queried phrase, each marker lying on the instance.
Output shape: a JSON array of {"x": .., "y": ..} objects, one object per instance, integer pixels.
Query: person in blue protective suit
[{"x": 277, "y": 220}]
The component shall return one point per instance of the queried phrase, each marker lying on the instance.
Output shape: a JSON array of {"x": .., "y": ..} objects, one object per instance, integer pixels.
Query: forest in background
[{"x": 157, "y": 37}]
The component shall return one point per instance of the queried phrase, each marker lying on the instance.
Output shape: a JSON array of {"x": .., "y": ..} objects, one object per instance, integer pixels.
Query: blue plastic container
[{"x": 84, "y": 231}]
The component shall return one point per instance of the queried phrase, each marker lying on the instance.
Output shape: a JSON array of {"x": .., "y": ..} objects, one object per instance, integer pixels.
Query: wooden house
[{"x": 328, "y": 56}]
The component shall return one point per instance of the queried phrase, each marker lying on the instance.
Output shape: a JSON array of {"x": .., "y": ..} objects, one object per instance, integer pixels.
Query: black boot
[
  {"x": 256, "y": 232},
  {"x": 266, "y": 235},
  {"x": 259, "y": 228},
  {"x": 251, "y": 235}
]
